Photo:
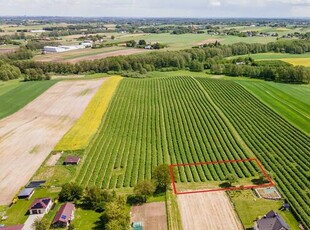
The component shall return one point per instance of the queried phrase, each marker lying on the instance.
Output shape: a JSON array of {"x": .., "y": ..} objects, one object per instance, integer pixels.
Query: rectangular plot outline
[{"x": 271, "y": 183}]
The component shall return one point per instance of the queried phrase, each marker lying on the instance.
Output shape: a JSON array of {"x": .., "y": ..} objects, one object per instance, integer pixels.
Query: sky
[{"x": 157, "y": 8}]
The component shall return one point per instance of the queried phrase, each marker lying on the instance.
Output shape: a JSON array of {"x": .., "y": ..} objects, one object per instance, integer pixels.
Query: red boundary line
[{"x": 271, "y": 183}]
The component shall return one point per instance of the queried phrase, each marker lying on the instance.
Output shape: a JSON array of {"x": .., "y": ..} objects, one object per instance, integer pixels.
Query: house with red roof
[
  {"x": 72, "y": 160},
  {"x": 40, "y": 206},
  {"x": 64, "y": 216}
]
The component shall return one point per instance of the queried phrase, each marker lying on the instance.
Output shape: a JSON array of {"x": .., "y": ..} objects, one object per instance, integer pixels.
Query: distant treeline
[{"x": 195, "y": 59}]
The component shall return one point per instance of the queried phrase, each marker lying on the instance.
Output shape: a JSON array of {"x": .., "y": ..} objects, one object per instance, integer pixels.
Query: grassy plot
[
  {"x": 284, "y": 101},
  {"x": 17, "y": 213},
  {"x": 20, "y": 94},
  {"x": 80, "y": 134},
  {"x": 249, "y": 208},
  {"x": 161, "y": 120},
  {"x": 86, "y": 219}
]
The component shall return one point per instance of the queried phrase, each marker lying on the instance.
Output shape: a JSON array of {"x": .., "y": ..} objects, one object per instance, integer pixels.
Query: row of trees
[{"x": 193, "y": 59}]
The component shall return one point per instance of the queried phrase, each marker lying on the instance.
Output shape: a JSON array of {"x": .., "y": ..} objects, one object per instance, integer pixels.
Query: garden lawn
[
  {"x": 17, "y": 213},
  {"x": 249, "y": 207},
  {"x": 86, "y": 219}
]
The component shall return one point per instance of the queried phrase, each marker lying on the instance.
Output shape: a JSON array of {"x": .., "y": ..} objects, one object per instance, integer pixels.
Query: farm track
[
  {"x": 282, "y": 148},
  {"x": 28, "y": 136}
]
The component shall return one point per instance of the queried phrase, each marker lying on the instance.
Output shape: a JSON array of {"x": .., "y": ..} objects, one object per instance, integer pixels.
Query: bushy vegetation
[{"x": 191, "y": 58}]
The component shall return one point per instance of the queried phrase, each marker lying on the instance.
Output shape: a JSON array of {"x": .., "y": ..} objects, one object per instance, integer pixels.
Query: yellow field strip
[
  {"x": 298, "y": 61},
  {"x": 81, "y": 133}
]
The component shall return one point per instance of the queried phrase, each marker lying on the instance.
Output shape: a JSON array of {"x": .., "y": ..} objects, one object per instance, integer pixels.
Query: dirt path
[
  {"x": 208, "y": 41},
  {"x": 152, "y": 215},
  {"x": 29, "y": 135},
  {"x": 208, "y": 211}
]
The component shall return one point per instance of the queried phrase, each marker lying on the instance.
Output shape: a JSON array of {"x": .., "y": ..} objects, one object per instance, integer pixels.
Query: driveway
[{"x": 30, "y": 220}]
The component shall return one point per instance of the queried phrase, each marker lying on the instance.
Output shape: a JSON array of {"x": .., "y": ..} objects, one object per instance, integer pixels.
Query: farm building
[
  {"x": 64, "y": 216},
  {"x": 14, "y": 227},
  {"x": 60, "y": 49},
  {"x": 72, "y": 160},
  {"x": 40, "y": 206},
  {"x": 271, "y": 221},
  {"x": 26, "y": 193}
]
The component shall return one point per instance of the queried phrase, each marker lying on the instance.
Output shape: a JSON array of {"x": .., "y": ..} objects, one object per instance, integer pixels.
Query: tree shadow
[{"x": 225, "y": 185}]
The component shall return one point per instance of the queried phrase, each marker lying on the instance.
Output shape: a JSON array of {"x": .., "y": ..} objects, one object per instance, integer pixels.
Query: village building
[
  {"x": 271, "y": 221},
  {"x": 64, "y": 216},
  {"x": 40, "y": 206}
]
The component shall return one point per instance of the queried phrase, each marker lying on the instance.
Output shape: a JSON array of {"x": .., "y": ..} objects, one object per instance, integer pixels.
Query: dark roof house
[
  {"x": 271, "y": 221},
  {"x": 40, "y": 206},
  {"x": 64, "y": 215},
  {"x": 72, "y": 160},
  {"x": 26, "y": 193}
]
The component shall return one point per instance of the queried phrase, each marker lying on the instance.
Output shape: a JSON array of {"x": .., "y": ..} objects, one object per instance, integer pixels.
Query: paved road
[{"x": 30, "y": 220}]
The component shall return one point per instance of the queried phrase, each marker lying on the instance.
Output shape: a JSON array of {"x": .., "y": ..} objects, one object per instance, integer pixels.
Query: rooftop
[
  {"x": 64, "y": 213},
  {"x": 40, "y": 203},
  {"x": 26, "y": 192},
  {"x": 272, "y": 221}
]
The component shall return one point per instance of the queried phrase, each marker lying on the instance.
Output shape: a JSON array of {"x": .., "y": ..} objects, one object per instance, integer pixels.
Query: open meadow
[{"x": 28, "y": 136}]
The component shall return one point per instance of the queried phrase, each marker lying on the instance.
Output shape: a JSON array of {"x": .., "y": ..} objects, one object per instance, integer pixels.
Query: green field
[
  {"x": 282, "y": 148},
  {"x": 19, "y": 94},
  {"x": 179, "y": 125},
  {"x": 290, "y": 101},
  {"x": 190, "y": 119}
]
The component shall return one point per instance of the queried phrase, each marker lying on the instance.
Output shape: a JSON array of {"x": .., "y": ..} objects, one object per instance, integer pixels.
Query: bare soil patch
[
  {"x": 28, "y": 136},
  {"x": 53, "y": 159},
  {"x": 208, "y": 41},
  {"x": 210, "y": 210},
  {"x": 7, "y": 50},
  {"x": 109, "y": 54},
  {"x": 152, "y": 215}
]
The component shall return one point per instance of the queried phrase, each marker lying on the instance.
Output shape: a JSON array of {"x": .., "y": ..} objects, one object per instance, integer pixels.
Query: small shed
[
  {"x": 26, "y": 193},
  {"x": 72, "y": 160}
]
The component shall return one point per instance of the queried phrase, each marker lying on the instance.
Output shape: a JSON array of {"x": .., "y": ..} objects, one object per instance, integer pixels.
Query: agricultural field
[
  {"x": 29, "y": 135},
  {"x": 85, "y": 128},
  {"x": 180, "y": 125},
  {"x": 193, "y": 119},
  {"x": 290, "y": 101},
  {"x": 295, "y": 59},
  {"x": 282, "y": 148},
  {"x": 212, "y": 210},
  {"x": 15, "y": 94},
  {"x": 87, "y": 54}
]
